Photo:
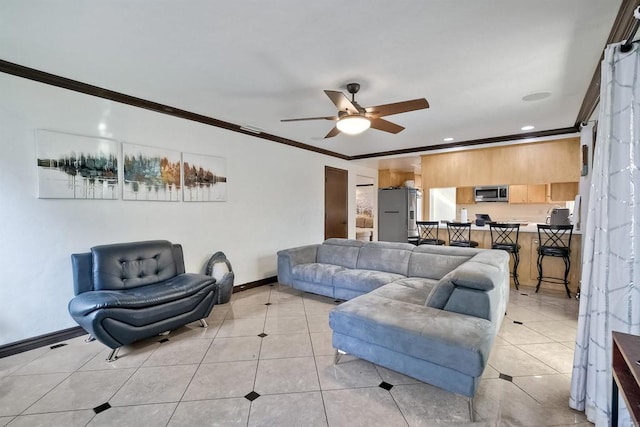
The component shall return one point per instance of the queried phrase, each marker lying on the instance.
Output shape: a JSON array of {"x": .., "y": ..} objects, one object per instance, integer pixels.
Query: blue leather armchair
[{"x": 129, "y": 291}]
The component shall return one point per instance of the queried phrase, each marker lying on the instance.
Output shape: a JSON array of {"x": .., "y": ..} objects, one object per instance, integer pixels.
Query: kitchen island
[{"x": 528, "y": 267}]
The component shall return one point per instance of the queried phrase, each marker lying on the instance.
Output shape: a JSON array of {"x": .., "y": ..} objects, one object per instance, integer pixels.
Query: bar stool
[
  {"x": 505, "y": 237},
  {"x": 428, "y": 233},
  {"x": 460, "y": 234},
  {"x": 554, "y": 241}
]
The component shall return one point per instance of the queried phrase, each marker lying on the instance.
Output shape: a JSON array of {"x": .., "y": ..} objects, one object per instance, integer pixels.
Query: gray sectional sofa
[{"x": 430, "y": 312}]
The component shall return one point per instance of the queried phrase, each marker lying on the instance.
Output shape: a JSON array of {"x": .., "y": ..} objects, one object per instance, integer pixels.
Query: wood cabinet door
[
  {"x": 465, "y": 196},
  {"x": 537, "y": 193},
  {"x": 563, "y": 191},
  {"x": 518, "y": 193}
]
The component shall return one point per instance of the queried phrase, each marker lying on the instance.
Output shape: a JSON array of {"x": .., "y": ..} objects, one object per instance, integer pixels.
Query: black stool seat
[
  {"x": 554, "y": 251},
  {"x": 506, "y": 247},
  {"x": 505, "y": 237},
  {"x": 555, "y": 241},
  {"x": 460, "y": 235}
]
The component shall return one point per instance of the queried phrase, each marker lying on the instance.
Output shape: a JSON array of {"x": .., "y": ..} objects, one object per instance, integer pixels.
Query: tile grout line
[{"x": 315, "y": 363}]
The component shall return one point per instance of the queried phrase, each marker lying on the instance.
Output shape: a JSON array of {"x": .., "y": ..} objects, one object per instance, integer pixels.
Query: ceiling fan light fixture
[{"x": 353, "y": 124}]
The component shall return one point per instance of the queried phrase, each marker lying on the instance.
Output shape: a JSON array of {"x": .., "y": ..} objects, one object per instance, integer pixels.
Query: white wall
[{"x": 275, "y": 201}]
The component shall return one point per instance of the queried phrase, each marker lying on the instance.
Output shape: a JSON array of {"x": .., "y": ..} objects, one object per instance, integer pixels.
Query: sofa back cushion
[
  {"x": 434, "y": 262},
  {"x": 342, "y": 252},
  {"x": 385, "y": 256},
  {"x": 129, "y": 265}
]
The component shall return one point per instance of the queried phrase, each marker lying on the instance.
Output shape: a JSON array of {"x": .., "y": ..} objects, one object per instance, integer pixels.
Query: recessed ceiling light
[
  {"x": 528, "y": 127},
  {"x": 536, "y": 96},
  {"x": 448, "y": 139}
]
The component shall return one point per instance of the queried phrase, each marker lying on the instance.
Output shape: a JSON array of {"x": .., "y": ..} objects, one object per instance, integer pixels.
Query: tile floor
[{"x": 266, "y": 360}]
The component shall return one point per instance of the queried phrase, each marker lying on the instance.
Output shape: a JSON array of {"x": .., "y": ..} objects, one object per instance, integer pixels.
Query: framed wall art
[
  {"x": 205, "y": 178},
  {"x": 76, "y": 167},
  {"x": 150, "y": 173}
]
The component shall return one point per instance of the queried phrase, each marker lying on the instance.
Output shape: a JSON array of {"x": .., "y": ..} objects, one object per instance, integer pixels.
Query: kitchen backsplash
[{"x": 506, "y": 212}]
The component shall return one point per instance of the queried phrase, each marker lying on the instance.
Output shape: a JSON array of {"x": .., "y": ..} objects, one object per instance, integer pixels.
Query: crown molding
[{"x": 622, "y": 29}]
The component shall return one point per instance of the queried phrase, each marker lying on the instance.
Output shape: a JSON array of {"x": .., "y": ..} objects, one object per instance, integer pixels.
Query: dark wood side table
[{"x": 626, "y": 375}]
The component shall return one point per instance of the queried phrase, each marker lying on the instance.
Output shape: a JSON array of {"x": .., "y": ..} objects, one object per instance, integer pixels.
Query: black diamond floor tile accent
[
  {"x": 268, "y": 303},
  {"x": 101, "y": 408},
  {"x": 262, "y": 335},
  {"x": 53, "y": 347},
  {"x": 517, "y": 322},
  {"x": 385, "y": 385},
  {"x": 252, "y": 396},
  {"x": 163, "y": 340},
  {"x": 506, "y": 377}
]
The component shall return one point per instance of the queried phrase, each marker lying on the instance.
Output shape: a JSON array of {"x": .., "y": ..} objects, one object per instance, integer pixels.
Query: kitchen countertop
[{"x": 529, "y": 228}]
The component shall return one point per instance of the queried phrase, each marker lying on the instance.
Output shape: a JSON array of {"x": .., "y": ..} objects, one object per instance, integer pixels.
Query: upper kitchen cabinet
[
  {"x": 465, "y": 196},
  {"x": 546, "y": 161},
  {"x": 532, "y": 193},
  {"x": 393, "y": 178},
  {"x": 563, "y": 191}
]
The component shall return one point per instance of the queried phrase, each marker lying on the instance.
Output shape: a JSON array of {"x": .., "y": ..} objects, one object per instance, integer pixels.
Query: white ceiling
[{"x": 256, "y": 62}]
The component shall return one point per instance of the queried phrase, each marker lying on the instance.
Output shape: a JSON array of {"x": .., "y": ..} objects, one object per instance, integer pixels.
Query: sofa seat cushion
[
  {"x": 411, "y": 290},
  {"x": 453, "y": 340},
  {"x": 315, "y": 272},
  {"x": 363, "y": 280},
  {"x": 176, "y": 288}
]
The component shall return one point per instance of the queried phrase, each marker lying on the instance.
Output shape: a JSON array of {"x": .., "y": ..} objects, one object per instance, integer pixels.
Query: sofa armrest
[{"x": 289, "y": 258}]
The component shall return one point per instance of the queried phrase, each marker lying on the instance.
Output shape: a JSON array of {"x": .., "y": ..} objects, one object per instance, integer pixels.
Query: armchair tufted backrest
[
  {"x": 129, "y": 265},
  {"x": 86, "y": 269}
]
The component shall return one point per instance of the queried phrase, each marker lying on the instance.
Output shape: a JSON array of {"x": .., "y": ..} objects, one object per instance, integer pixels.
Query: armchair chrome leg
[
  {"x": 203, "y": 323},
  {"x": 337, "y": 356},
  {"x": 90, "y": 338},
  {"x": 113, "y": 355},
  {"x": 471, "y": 411}
]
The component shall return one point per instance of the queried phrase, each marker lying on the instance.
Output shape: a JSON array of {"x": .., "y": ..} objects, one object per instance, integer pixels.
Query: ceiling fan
[{"x": 353, "y": 119}]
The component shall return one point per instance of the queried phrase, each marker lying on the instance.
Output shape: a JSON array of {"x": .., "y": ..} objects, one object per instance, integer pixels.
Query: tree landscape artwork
[
  {"x": 205, "y": 178},
  {"x": 76, "y": 167},
  {"x": 151, "y": 173}
]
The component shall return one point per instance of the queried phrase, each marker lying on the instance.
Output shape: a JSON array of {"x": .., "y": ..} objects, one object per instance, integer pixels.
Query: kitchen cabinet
[
  {"x": 392, "y": 178},
  {"x": 563, "y": 191},
  {"x": 465, "y": 196},
  {"x": 532, "y": 193}
]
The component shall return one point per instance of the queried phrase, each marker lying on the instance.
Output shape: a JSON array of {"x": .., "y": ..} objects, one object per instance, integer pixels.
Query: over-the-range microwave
[{"x": 491, "y": 193}]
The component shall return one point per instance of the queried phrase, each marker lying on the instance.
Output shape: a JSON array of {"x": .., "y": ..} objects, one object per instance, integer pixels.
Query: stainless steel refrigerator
[{"x": 397, "y": 214}]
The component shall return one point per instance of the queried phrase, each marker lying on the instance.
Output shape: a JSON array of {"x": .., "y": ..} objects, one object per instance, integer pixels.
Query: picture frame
[
  {"x": 205, "y": 178},
  {"x": 151, "y": 173},
  {"x": 76, "y": 167}
]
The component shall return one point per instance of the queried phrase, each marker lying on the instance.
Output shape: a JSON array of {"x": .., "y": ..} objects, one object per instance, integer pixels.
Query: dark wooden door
[{"x": 335, "y": 202}]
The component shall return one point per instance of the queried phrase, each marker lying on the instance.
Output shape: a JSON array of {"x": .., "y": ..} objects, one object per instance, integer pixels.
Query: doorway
[
  {"x": 335, "y": 202},
  {"x": 366, "y": 193}
]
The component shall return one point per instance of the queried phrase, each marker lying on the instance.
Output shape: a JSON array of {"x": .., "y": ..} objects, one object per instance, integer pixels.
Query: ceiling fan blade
[
  {"x": 385, "y": 125},
  {"x": 311, "y": 118},
  {"x": 397, "y": 107},
  {"x": 341, "y": 101},
  {"x": 333, "y": 132}
]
